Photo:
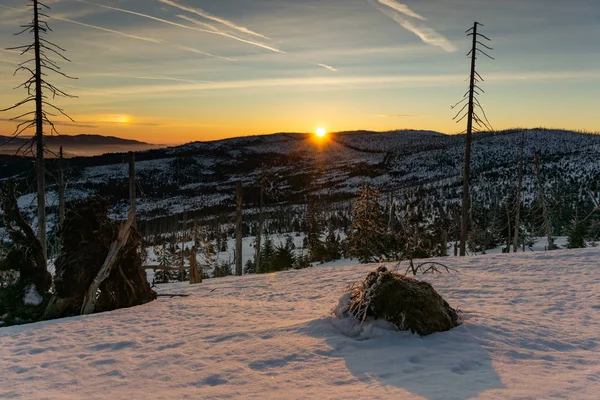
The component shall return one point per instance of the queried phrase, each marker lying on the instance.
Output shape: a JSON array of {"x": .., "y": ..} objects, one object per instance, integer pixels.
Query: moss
[{"x": 410, "y": 304}]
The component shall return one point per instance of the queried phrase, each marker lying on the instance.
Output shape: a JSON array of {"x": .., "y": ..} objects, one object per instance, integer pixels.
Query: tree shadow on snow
[{"x": 449, "y": 365}]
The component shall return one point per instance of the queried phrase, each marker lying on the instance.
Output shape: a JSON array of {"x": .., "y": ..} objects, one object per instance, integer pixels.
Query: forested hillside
[{"x": 417, "y": 168}]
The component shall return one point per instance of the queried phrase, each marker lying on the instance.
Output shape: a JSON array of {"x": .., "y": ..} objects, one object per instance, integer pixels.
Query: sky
[{"x": 175, "y": 71}]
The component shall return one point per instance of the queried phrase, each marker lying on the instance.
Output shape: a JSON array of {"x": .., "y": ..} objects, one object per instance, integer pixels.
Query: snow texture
[
  {"x": 531, "y": 331},
  {"x": 31, "y": 296}
]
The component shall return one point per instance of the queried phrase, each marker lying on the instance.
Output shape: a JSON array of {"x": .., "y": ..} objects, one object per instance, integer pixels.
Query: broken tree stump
[{"x": 99, "y": 264}]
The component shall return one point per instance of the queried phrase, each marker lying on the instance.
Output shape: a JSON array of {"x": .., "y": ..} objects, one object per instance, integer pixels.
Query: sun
[{"x": 321, "y": 132}]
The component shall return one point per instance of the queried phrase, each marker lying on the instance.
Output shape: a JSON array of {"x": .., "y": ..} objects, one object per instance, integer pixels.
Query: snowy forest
[{"x": 294, "y": 265}]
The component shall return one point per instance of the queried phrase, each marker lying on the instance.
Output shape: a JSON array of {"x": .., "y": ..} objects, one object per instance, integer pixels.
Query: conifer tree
[
  {"x": 333, "y": 246},
  {"x": 164, "y": 259},
  {"x": 367, "y": 238},
  {"x": 314, "y": 230},
  {"x": 267, "y": 254},
  {"x": 577, "y": 233},
  {"x": 283, "y": 259}
]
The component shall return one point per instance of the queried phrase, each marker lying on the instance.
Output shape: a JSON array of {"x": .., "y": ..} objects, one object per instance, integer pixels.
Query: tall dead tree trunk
[
  {"x": 132, "y": 194},
  {"x": 38, "y": 67},
  {"x": 61, "y": 187},
  {"x": 464, "y": 222},
  {"x": 472, "y": 119},
  {"x": 547, "y": 224},
  {"x": 182, "y": 238},
  {"x": 238, "y": 230},
  {"x": 508, "y": 242},
  {"x": 518, "y": 195},
  {"x": 392, "y": 214},
  {"x": 39, "y": 133},
  {"x": 195, "y": 275},
  {"x": 261, "y": 220}
]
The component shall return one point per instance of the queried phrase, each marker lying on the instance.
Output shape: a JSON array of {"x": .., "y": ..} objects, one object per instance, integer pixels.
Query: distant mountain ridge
[
  {"x": 91, "y": 139},
  {"x": 78, "y": 145}
]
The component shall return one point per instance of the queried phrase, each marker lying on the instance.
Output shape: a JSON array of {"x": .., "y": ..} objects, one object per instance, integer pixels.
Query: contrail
[
  {"x": 329, "y": 67},
  {"x": 142, "y": 77},
  {"x": 207, "y": 15},
  {"x": 426, "y": 34},
  {"x": 192, "y": 50},
  {"x": 402, "y": 8},
  {"x": 400, "y": 13},
  {"x": 146, "y": 39},
  {"x": 199, "y": 23},
  {"x": 264, "y": 46},
  {"x": 90, "y": 26}
]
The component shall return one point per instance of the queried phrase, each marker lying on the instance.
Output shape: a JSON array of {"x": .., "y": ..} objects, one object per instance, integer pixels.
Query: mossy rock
[{"x": 410, "y": 304}]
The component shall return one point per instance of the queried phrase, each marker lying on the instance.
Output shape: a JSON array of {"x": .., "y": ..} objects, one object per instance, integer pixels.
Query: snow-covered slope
[{"x": 532, "y": 331}]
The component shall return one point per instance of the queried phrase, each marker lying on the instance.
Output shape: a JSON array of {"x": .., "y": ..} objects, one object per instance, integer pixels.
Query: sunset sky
[{"x": 173, "y": 71}]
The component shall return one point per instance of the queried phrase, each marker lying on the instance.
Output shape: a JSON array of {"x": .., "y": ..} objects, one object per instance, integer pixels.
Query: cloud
[
  {"x": 214, "y": 18},
  {"x": 344, "y": 82},
  {"x": 401, "y": 14},
  {"x": 329, "y": 67},
  {"x": 140, "y": 77},
  {"x": 57, "y": 123},
  {"x": 318, "y": 82},
  {"x": 402, "y": 8},
  {"x": 264, "y": 46},
  {"x": 399, "y": 115}
]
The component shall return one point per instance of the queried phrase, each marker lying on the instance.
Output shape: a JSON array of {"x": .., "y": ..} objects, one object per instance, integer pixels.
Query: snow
[
  {"x": 531, "y": 331},
  {"x": 31, "y": 296}
]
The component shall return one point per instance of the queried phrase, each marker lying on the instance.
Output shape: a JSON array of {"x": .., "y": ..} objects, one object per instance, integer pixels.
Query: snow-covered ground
[{"x": 532, "y": 331}]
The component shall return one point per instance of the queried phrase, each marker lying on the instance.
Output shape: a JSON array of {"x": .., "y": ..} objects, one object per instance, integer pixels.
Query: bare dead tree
[
  {"x": 261, "y": 218},
  {"x": 518, "y": 195},
  {"x": 195, "y": 275},
  {"x": 476, "y": 119},
  {"x": 132, "y": 193},
  {"x": 508, "y": 242},
  {"x": 238, "y": 230},
  {"x": 542, "y": 195},
  {"x": 61, "y": 186},
  {"x": 268, "y": 189},
  {"x": 38, "y": 66}
]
